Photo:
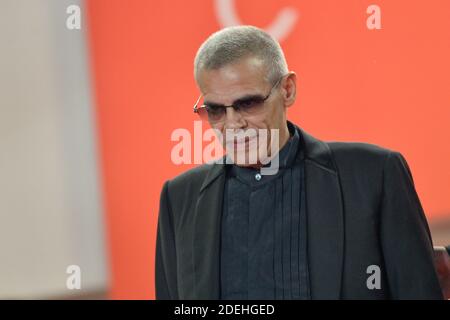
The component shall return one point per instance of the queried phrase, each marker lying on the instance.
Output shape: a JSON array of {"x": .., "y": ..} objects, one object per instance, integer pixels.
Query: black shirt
[{"x": 263, "y": 239}]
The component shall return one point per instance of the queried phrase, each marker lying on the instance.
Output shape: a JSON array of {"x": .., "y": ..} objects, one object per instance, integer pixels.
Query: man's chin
[
  {"x": 248, "y": 165},
  {"x": 243, "y": 159}
]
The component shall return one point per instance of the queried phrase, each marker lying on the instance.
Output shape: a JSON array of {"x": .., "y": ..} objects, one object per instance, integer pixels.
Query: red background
[{"x": 389, "y": 87}]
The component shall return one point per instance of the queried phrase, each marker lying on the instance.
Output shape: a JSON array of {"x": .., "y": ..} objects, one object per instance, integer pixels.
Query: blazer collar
[
  {"x": 325, "y": 224},
  {"x": 311, "y": 148}
]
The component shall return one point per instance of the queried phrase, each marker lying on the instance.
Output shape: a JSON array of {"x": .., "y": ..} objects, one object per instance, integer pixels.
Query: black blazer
[{"x": 362, "y": 210}]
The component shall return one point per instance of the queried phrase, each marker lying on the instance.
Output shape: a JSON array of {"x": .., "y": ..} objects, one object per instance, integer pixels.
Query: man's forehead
[
  {"x": 231, "y": 82},
  {"x": 227, "y": 96},
  {"x": 242, "y": 69}
]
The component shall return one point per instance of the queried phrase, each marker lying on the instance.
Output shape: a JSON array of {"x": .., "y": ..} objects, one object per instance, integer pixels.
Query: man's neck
[{"x": 283, "y": 139}]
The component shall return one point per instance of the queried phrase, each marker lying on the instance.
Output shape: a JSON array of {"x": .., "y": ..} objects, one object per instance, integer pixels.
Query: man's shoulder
[
  {"x": 358, "y": 151},
  {"x": 325, "y": 152},
  {"x": 191, "y": 179},
  {"x": 361, "y": 166},
  {"x": 360, "y": 159}
]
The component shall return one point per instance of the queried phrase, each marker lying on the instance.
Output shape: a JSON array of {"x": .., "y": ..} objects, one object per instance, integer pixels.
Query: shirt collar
[{"x": 287, "y": 156}]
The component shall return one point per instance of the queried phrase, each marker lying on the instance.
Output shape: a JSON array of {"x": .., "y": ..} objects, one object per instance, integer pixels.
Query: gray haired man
[{"x": 336, "y": 221}]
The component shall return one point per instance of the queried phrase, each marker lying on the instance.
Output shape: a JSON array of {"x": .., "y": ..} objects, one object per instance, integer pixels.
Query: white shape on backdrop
[{"x": 279, "y": 28}]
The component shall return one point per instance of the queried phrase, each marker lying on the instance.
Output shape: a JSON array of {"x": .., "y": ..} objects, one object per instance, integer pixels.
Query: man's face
[{"x": 245, "y": 78}]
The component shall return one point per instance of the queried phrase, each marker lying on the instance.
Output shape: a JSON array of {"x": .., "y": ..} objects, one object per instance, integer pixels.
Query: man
[{"x": 335, "y": 221}]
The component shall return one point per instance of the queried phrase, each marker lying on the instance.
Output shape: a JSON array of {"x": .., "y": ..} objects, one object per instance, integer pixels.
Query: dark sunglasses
[{"x": 246, "y": 106}]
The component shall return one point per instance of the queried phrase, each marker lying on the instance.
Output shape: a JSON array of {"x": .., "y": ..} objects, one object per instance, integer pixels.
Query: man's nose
[{"x": 234, "y": 119}]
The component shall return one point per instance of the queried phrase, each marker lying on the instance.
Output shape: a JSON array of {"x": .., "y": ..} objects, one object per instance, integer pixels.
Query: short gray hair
[{"x": 233, "y": 43}]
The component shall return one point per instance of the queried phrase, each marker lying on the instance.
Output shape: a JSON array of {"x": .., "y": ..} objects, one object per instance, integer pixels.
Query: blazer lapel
[
  {"x": 206, "y": 243},
  {"x": 325, "y": 220}
]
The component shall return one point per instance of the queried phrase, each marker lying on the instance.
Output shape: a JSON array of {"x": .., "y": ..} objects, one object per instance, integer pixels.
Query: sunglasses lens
[
  {"x": 215, "y": 113},
  {"x": 211, "y": 114},
  {"x": 202, "y": 113},
  {"x": 252, "y": 106}
]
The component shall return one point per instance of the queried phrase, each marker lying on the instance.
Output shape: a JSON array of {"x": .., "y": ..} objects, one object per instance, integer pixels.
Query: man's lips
[
  {"x": 240, "y": 138},
  {"x": 243, "y": 144}
]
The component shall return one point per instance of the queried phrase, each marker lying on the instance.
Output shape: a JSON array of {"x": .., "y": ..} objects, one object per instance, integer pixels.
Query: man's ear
[{"x": 289, "y": 89}]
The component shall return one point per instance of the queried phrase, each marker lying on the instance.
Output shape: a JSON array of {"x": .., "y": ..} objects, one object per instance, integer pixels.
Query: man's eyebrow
[
  {"x": 241, "y": 99},
  {"x": 212, "y": 104}
]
